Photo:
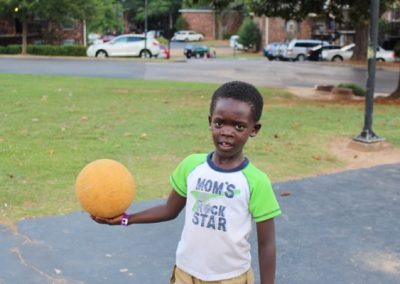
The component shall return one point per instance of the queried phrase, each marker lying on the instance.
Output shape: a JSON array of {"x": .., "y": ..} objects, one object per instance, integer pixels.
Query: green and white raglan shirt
[{"x": 220, "y": 207}]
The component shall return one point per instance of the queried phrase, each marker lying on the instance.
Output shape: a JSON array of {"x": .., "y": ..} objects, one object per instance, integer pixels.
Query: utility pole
[
  {"x": 367, "y": 135},
  {"x": 145, "y": 24}
]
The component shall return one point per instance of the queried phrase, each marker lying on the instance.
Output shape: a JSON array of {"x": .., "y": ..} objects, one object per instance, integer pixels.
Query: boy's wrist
[{"x": 125, "y": 219}]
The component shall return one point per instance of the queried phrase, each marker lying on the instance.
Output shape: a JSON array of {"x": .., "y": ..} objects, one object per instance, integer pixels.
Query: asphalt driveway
[{"x": 339, "y": 228}]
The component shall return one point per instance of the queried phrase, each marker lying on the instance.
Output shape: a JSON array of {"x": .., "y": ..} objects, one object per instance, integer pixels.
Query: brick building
[
  {"x": 41, "y": 32},
  {"x": 275, "y": 29},
  {"x": 201, "y": 21}
]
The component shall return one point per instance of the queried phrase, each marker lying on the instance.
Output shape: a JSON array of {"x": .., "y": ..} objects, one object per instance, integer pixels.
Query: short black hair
[{"x": 240, "y": 91}]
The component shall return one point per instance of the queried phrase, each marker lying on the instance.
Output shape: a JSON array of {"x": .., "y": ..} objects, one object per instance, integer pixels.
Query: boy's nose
[{"x": 227, "y": 130}]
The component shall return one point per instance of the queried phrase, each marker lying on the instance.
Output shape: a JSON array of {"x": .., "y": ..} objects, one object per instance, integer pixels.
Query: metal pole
[
  {"x": 145, "y": 24},
  {"x": 367, "y": 135}
]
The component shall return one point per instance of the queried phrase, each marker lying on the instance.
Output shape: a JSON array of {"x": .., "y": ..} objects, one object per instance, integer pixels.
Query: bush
[
  {"x": 50, "y": 50},
  {"x": 162, "y": 40},
  {"x": 11, "y": 49},
  {"x": 249, "y": 34},
  {"x": 181, "y": 24},
  {"x": 357, "y": 90}
]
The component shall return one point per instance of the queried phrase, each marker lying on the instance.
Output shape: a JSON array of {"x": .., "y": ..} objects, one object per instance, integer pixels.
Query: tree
[
  {"x": 108, "y": 17},
  {"x": 22, "y": 10},
  {"x": 56, "y": 10},
  {"x": 249, "y": 34},
  {"x": 157, "y": 10},
  {"x": 357, "y": 11}
]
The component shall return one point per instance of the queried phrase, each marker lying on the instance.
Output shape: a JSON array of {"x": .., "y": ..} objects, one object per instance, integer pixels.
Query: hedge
[
  {"x": 357, "y": 90},
  {"x": 51, "y": 50}
]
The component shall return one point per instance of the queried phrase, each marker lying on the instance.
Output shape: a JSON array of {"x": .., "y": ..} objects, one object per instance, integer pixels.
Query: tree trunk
[
  {"x": 24, "y": 36},
  {"x": 396, "y": 93},
  {"x": 361, "y": 42}
]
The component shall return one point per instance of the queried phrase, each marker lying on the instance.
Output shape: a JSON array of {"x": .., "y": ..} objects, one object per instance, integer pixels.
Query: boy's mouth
[{"x": 225, "y": 145}]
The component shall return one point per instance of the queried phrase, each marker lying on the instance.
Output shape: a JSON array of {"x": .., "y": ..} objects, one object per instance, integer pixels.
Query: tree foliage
[
  {"x": 155, "y": 8},
  {"x": 355, "y": 12},
  {"x": 286, "y": 9},
  {"x": 50, "y": 10},
  {"x": 249, "y": 34}
]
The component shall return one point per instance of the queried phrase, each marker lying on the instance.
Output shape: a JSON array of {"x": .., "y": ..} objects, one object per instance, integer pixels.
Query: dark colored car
[
  {"x": 198, "y": 51},
  {"x": 314, "y": 54}
]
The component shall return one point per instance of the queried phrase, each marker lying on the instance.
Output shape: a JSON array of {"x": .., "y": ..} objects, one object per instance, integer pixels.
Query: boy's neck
[{"x": 228, "y": 163}]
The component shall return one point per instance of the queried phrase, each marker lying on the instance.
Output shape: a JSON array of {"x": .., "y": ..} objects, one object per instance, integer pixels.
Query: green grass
[{"x": 51, "y": 127}]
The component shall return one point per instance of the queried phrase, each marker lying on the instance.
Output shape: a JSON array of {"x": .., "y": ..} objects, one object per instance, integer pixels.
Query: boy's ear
[
  {"x": 257, "y": 128},
  {"x": 209, "y": 121}
]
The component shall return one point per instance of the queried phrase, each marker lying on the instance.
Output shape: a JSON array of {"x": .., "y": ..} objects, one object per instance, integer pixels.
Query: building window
[{"x": 68, "y": 24}]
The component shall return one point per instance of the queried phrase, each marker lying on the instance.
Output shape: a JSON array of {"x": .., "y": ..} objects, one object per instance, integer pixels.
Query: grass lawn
[{"x": 51, "y": 127}]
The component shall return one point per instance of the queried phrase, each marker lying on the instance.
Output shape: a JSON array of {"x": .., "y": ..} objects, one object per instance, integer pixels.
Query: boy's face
[{"x": 231, "y": 124}]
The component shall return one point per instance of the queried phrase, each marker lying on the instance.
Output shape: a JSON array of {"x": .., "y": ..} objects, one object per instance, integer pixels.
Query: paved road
[
  {"x": 340, "y": 228},
  {"x": 260, "y": 72}
]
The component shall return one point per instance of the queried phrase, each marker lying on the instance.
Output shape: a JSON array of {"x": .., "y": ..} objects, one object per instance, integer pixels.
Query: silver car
[
  {"x": 297, "y": 49},
  {"x": 126, "y": 45}
]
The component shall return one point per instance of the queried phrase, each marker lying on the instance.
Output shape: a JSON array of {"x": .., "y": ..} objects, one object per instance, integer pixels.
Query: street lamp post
[
  {"x": 367, "y": 135},
  {"x": 145, "y": 24}
]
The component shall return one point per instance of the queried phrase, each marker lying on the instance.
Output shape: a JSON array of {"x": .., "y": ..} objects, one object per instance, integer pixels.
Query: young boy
[{"x": 223, "y": 192}]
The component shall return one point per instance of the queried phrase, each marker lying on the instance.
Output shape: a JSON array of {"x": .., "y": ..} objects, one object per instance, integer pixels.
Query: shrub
[
  {"x": 357, "y": 90},
  {"x": 11, "y": 49},
  {"x": 162, "y": 40},
  {"x": 249, "y": 34},
  {"x": 51, "y": 50},
  {"x": 181, "y": 24}
]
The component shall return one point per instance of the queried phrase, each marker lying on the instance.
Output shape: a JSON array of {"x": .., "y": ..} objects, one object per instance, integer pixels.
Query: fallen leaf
[
  {"x": 316, "y": 157},
  {"x": 84, "y": 119},
  {"x": 57, "y": 271},
  {"x": 285, "y": 194}
]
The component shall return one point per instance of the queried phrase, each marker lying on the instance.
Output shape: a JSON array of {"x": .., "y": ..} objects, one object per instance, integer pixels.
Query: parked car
[
  {"x": 297, "y": 49},
  {"x": 274, "y": 50},
  {"x": 346, "y": 52},
  {"x": 315, "y": 53},
  {"x": 187, "y": 36},
  {"x": 198, "y": 51},
  {"x": 125, "y": 45},
  {"x": 164, "y": 52},
  {"x": 234, "y": 43}
]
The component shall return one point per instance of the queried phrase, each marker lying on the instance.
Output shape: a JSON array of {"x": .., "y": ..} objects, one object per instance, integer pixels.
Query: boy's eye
[
  {"x": 239, "y": 126},
  {"x": 218, "y": 123}
]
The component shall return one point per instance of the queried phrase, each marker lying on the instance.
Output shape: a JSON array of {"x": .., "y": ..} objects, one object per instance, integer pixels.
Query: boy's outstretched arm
[
  {"x": 266, "y": 251},
  {"x": 168, "y": 211}
]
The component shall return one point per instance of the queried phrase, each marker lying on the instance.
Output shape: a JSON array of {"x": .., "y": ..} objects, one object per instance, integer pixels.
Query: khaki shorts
[{"x": 181, "y": 277}]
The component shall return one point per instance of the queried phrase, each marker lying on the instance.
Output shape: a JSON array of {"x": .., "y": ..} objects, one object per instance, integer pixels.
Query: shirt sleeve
[
  {"x": 178, "y": 179},
  {"x": 262, "y": 204}
]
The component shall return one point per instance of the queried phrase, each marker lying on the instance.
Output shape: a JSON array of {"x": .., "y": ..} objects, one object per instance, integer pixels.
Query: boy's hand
[{"x": 110, "y": 221}]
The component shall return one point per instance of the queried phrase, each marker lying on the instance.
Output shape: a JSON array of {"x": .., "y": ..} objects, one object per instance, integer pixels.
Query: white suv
[
  {"x": 297, "y": 49},
  {"x": 125, "y": 45}
]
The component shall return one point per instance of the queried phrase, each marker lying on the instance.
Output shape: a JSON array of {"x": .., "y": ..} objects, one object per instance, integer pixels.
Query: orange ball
[{"x": 105, "y": 188}]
